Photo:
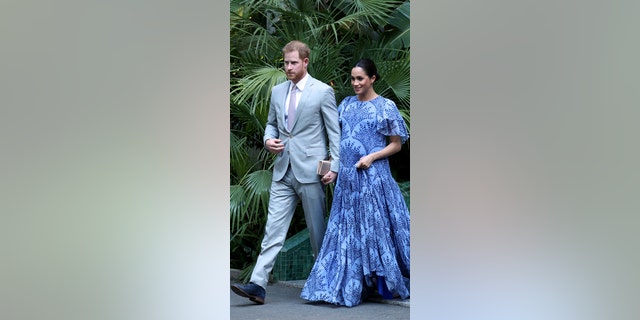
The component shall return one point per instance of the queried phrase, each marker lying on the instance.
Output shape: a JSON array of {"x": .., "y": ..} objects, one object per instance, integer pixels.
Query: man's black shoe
[{"x": 252, "y": 291}]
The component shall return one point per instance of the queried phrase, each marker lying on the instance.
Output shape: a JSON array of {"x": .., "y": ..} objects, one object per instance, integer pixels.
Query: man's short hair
[{"x": 301, "y": 47}]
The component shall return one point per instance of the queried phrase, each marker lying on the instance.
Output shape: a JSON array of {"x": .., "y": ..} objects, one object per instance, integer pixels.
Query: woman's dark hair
[{"x": 369, "y": 67}]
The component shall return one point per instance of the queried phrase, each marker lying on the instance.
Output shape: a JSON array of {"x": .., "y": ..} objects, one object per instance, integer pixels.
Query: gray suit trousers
[{"x": 284, "y": 197}]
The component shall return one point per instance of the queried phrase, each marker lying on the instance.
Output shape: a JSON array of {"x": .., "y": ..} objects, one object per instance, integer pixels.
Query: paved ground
[{"x": 283, "y": 302}]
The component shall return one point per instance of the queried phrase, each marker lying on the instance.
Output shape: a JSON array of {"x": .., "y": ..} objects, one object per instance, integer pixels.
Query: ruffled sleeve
[{"x": 390, "y": 122}]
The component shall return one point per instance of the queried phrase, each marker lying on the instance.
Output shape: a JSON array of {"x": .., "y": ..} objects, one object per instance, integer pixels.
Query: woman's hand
[
  {"x": 394, "y": 146},
  {"x": 365, "y": 162}
]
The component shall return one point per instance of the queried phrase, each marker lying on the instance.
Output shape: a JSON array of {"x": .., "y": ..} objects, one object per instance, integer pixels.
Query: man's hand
[
  {"x": 329, "y": 177},
  {"x": 274, "y": 145}
]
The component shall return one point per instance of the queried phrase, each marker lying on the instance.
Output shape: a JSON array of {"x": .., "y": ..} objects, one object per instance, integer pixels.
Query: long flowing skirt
[{"x": 366, "y": 246}]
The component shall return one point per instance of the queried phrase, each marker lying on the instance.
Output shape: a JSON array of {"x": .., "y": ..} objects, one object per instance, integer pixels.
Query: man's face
[{"x": 295, "y": 67}]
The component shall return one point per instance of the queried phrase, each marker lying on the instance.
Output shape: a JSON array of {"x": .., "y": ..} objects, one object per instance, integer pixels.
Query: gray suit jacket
[{"x": 315, "y": 133}]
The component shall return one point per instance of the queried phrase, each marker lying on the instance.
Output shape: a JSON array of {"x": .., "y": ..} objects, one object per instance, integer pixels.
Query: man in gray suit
[{"x": 301, "y": 126}]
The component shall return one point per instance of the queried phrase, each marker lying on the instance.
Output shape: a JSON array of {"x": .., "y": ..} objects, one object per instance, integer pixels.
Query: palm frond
[
  {"x": 251, "y": 27},
  {"x": 248, "y": 119},
  {"x": 371, "y": 12},
  {"x": 237, "y": 205},
  {"x": 257, "y": 185},
  {"x": 399, "y": 36},
  {"x": 238, "y": 157},
  {"x": 397, "y": 75},
  {"x": 260, "y": 157},
  {"x": 257, "y": 86},
  {"x": 249, "y": 199}
]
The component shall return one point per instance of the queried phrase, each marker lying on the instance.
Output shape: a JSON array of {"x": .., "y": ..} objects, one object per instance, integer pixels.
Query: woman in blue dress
[{"x": 366, "y": 246}]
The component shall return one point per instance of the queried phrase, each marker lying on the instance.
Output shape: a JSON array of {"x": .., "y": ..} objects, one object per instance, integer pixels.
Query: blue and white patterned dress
[{"x": 366, "y": 245}]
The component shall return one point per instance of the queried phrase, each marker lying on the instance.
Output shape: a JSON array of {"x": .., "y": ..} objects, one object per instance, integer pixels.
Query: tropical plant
[{"x": 339, "y": 33}]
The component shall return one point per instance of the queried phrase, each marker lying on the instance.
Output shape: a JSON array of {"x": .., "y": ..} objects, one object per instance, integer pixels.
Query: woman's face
[{"x": 360, "y": 81}]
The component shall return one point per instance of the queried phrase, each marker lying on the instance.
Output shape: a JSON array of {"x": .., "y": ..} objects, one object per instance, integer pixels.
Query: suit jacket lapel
[
  {"x": 303, "y": 98},
  {"x": 283, "y": 111}
]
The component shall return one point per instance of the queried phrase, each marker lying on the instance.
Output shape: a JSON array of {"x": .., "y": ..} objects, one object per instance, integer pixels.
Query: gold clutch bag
[{"x": 323, "y": 167}]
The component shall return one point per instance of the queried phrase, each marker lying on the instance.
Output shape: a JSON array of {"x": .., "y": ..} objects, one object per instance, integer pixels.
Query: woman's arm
[{"x": 393, "y": 147}]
